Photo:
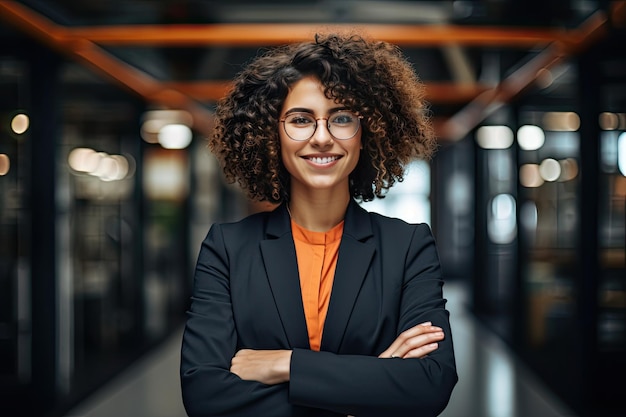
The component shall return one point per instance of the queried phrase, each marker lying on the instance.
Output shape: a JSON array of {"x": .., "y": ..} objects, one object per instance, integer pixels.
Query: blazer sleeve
[
  {"x": 209, "y": 343},
  {"x": 370, "y": 386}
]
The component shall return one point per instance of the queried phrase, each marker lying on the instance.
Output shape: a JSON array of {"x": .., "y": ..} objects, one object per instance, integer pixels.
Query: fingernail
[{"x": 426, "y": 323}]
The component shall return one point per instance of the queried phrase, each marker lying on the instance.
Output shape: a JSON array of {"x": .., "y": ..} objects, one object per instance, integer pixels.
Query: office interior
[{"x": 107, "y": 187}]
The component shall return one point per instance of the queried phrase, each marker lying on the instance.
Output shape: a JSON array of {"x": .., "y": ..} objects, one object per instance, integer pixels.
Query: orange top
[{"x": 317, "y": 259}]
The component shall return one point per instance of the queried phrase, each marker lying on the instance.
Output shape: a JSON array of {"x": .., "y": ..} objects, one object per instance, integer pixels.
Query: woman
[{"x": 319, "y": 308}]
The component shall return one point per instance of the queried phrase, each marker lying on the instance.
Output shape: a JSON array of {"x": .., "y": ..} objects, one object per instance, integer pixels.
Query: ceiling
[{"x": 472, "y": 55}]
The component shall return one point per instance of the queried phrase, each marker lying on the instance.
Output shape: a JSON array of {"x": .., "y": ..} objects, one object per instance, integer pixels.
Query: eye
[
  {"x": 343, "y": 118},
  {"x": 300, "y": 120}
]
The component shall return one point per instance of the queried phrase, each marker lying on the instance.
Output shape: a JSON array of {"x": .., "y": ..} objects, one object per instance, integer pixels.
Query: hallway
[{"x": 492, "y": 381}]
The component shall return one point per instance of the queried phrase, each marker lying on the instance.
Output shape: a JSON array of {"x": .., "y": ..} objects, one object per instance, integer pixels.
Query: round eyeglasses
[{"x": 341, "y": 125}]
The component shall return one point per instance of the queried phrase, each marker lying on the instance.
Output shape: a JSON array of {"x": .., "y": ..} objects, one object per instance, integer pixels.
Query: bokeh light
[
  {"x": 494, "y": 137},
  {"x": 20, "y": 123},
  {"x": 5, "y": 164},
  {"x": 530, "y": 138}
]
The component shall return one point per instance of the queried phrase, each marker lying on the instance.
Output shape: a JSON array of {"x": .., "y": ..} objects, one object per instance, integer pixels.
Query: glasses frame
[{"x": 282, "y": 120}]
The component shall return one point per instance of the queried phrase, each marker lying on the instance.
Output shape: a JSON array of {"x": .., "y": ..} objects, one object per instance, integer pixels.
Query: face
[{"x": 322, "y": 162}]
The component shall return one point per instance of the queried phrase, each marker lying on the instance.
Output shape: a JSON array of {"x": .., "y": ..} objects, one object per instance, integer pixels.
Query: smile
[{"x": 323, "y": 160}]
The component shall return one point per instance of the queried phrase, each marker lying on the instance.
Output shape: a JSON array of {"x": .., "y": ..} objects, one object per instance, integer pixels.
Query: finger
[
  {"x": 422, "y": 351},
  {"x": 418, "y": 330},
  {"x": 416, "y": 335},
  {"x": 418, "y": 341},
  {"x": 402, "y": 337},
  {"x": 395, "y": 349}
]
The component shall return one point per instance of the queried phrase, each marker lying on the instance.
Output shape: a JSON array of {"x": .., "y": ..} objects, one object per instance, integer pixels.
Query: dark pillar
[
  {"x": 43, "y": 141},
  {"x": 589, "y": 213}
]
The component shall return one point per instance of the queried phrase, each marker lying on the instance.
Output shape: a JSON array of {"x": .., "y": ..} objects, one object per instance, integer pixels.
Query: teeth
[{"x": 324, "y": 160}]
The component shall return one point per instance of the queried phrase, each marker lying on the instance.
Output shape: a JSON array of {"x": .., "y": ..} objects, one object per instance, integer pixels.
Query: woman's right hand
[{"x": 416, "y": 342}]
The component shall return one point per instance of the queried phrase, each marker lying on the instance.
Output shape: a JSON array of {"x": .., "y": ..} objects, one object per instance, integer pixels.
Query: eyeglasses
[{"x": 341, "y": 125}]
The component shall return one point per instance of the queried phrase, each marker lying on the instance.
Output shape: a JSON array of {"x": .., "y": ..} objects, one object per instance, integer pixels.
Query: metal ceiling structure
[{"x": 181, "y": 54}]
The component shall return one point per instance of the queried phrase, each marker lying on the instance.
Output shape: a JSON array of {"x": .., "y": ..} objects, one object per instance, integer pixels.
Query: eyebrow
[{"x": 305, "y": 110}]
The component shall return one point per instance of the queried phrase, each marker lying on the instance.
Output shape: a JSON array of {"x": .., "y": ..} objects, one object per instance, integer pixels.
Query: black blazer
[{"x": 246, "y": 294}]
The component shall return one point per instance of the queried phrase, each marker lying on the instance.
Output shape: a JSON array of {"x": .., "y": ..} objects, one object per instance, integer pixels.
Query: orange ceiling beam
[
  {"x": 266, "y": 34},
  {"x": 436, "y": 93}
]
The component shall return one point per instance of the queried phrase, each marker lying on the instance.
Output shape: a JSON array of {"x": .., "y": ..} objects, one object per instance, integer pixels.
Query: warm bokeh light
[
  {"x": 150, "y": 130},
  {"x": 5, "y": 164},
  {"x": 608, "y": 121},
  {"x": 550, "y": 169},
  {"x": 175, "y": 136},
  {"x": 561, "y": 121},
  {"x": 530, "y": 138},
  {"x": 20, "y": 123},
  {"x": 494, "y": 137},
  {"x": 111, "y": 168},
  {"x": 529, "y": 176},
  {"x": 84, "y": 160},
  {"x": 612, "y": 121},
  {"x": 154, "y": 121},
  {"x": 165, "y": 175},
  {"x": 100, "y": 164},
  {"x": 569, "y": 169}
]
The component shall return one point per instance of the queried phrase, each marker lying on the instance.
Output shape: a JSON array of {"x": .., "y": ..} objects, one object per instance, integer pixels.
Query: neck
[{"x": 318, "y": 214}]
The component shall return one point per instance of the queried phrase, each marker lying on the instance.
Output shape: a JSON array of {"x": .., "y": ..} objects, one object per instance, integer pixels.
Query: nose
[{"x": 321, "y": 136}]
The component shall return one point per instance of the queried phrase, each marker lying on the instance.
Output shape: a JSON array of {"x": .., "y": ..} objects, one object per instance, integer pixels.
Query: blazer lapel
[
  {"x": 279, "y": 256},
  {"x": 355, "y": 256}
]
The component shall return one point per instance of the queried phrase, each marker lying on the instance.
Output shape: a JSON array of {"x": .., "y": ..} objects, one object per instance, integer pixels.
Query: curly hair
[{"x": 371, "y": 78}]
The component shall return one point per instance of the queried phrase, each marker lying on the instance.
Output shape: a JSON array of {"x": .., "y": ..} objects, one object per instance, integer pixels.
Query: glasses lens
[
  {"x": 343, "y": 124},
  {"x": 300, "y": 126}
]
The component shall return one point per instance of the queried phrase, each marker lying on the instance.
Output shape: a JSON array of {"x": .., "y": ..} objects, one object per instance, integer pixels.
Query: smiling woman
[{"x": 351, "y": 321}]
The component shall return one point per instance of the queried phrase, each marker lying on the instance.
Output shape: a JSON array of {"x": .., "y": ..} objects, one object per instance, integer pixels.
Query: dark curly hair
[{"x": 372, "y": 78}]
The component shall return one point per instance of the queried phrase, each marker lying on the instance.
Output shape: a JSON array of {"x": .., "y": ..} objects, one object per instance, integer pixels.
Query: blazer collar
[
  {"x": 353, "y": 263},
  {"x": 355, "y": 255},
  {"x": 356, "y": 224},
  {"x": 281, "y": 267}
]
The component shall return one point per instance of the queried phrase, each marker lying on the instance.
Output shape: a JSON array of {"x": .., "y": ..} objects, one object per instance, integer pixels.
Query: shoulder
[
  {"x": 394, "y": 225},
  {"x": 266, "y": 224},
  {"x": 363, "y": 224},
  {"x": 398, "y": 237},
  {"x": 246, "y": 225},
  {"x": 252, "y": 219},
  {"x": 400, "y": 241}
]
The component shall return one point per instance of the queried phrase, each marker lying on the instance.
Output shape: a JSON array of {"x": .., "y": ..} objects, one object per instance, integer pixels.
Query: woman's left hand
[
  {"x": 416, "y": 342},
  {"x": 266, "y": 366}
]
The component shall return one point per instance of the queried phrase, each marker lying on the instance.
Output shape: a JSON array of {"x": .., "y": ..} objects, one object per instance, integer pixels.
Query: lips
[{"x": 322, "y": 160}]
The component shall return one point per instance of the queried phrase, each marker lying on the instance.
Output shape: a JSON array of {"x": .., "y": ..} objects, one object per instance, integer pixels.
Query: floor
[{"x": 492, "y": 382}]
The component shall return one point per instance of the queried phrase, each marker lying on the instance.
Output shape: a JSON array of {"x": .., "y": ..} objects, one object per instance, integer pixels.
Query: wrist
[{"x": 283, "y": 366}]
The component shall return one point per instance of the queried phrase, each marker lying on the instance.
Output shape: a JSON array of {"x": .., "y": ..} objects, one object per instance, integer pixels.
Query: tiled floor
[{"x": 492, "y": 382}]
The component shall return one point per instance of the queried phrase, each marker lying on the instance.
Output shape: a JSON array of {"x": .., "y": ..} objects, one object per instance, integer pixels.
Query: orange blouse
[{"x": 317, "y": 259}]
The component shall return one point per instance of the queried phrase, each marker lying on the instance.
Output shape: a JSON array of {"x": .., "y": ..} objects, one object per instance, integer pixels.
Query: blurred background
[{"x": 107, "y": 189}]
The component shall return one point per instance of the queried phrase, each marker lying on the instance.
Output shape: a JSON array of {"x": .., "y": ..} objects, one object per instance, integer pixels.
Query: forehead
[{"x": 308, "y": 93}]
